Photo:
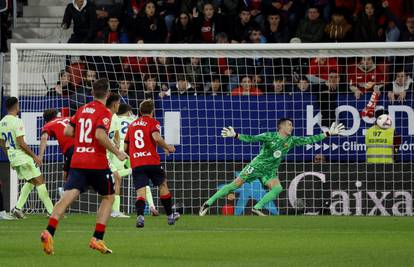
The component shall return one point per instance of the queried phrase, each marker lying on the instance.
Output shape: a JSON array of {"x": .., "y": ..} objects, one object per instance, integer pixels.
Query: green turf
[{"x": 216, "y": 241}]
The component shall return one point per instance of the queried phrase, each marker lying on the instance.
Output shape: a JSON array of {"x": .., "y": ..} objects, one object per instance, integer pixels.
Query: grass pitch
[{"x": 216, "y": 241}]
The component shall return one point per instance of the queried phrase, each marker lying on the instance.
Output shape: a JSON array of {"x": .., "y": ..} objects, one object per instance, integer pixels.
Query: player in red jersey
[
  {"x": 54, "y": 127},
  {"x": 140, "y": 143},
  {"x": 89, "y": 166}
]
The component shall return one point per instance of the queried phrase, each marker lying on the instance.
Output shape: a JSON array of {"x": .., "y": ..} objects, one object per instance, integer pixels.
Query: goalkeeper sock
[
  {"x": 24, "y": 193},
  {"x": 44, "y": 196},
  {"x": 140, "y": 206},
  {"x": 125, "y": 172},
  {"x": 117, "y": 203},
  {"x": 224, "y": 191},
  {"x": 271, "y": 195},
  {"x": 148, "y": 196},
  {"x": 167, "y": 203},
  {"x": 99, "y": 231},
  {"x": 51, "y": 227}
]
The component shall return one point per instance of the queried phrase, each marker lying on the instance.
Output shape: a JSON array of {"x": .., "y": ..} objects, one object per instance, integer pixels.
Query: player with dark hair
[
  {"x": 141, "y": 142},
  {"x": 274, "y": 147},
  {"x": 89, "y": 166},
  {"x": 54, "y": 127},
  {"x": 22, "y": 159}
]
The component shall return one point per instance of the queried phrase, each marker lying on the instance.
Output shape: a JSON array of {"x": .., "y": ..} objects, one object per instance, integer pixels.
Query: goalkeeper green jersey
[
  {"x": 12, "y": 127},
  {"x": 275, "y": 147}
]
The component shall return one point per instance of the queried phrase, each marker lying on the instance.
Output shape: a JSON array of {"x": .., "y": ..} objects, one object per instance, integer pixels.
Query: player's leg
[
  {"x": 24, "y": 174},
  {"x": 117, "y": 199},
  {"x": 118, "y": 171},
  {"x": 158, "y": 178},
  {"x": 42, "y": 192},
  {"x": 102, "y": 182},
  {"x": 246, "y": 175},
  {"x": 150, "y": 200},
  {"x": 274, "y": 190},
  {"x": 3, "y": 213},
  {"x": 66, "y": 167},
  {"x": 140, "y": 180}
]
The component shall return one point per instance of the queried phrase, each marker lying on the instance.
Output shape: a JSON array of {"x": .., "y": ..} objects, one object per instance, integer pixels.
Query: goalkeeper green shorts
[
  {"x": 27, "y": 171},
  {"x": 115, "y": 164},
  {"x": 250, "y": 173}
]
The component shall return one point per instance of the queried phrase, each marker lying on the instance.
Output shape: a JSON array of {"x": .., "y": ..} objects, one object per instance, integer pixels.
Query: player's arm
[
  {"x": 335, "y": 129},
  {"x": 23, "y": 146},
  {"x": 117, "y": 139},
  {"x": 161, "y": 142},
  {"x": 43, "y": 144},
  {"x": 103, "y": 139},
  {"x": 230, "y": 132},
  {"x": 3, "y": 146}
]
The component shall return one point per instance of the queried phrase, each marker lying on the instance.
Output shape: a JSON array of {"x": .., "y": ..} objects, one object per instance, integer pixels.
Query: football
[{"x": 384, "y": 121}]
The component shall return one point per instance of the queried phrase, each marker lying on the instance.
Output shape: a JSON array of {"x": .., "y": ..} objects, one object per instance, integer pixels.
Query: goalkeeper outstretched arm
[{"x": 335, "y": 129}]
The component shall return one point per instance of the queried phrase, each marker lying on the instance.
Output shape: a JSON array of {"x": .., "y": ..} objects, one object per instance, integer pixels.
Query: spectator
[
  {"x": 164, "y": 68},
  {"x": 275, "y": 29},
  {"x": 226, "y": 67},
  {"x": 367, "y": 28},
  {"x": 83, "y": 14},
  {"x": 311, "y": 28},
  {"x": 279, "y": 86},
  {"x": 327, "y": 96},
  {"x": 242, "y": 25},
  {"x": 255, "y": 7},
  {"x": 227, "y": 8},
  {"x": 324, "y": 6},
  {"x": 286, "y": 8},
  {"x": 319, "y": 69},
  {"x": 138, "y": 65},
  {"x": 215, "y": 87},
  {"x": 125, "y": 89},
  {"x": 103, "y": 10},
  {"x": 393, "y": 29},
  {"x": 408, "y": 34},
  {"x": 195, "y": 73},
  {"x": 183, "y": 87},
  {"x": 302, "y": 85},
  {"x": 366, "y": 76},
  {"x": 80, "y": 97},
  {"x": 397, "y": 90},
  {"x": 338, "y": 29},
  {"x": 168, "y": 9},
  {"x": 112, "y": 34},
  {"x": 208, "y": 24},
  {"x": 319, "y": 158},
  {"x": 63, "y": 87},
  {"x": 256, "y": 36},
  {"x": 246, "y": 88},
  {"x": 130, "y": 11},
  {"x": 150, "y": 26},
  {"x": 4, "y": 25},
  {"x": 183, "y": 29}
]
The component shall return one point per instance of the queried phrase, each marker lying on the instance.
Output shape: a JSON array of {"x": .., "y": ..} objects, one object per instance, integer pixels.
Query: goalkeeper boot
[
  {"x": 99, "y": 245},
  {"x": 140, "y": 221},
  {"x": 258, "y": 212},
  {"x": 203, "y": 209},
  {"x": 47, "y": 242},
  {"x": 18, "y": 213}
]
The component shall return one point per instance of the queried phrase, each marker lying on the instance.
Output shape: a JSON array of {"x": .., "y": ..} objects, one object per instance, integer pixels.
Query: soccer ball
[{"x": 384, "y": 121}]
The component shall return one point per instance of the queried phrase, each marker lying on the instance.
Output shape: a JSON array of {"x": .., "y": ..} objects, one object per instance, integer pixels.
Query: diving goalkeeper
[{"x": 274, "y": 147}]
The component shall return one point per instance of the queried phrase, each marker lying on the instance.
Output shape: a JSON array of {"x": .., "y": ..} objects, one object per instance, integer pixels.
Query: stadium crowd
[{"x": 233, "y": 21}]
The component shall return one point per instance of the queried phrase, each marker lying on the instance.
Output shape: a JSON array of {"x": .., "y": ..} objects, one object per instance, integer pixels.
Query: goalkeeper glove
[
  {"x": 228, "y": 132},
  {"x": 336, "y": 129}
]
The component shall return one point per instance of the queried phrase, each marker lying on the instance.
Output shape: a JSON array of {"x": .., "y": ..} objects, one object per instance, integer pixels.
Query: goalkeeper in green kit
[{"x": 274, "y": 147}]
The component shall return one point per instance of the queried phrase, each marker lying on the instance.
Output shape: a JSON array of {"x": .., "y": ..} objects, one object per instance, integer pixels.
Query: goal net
[{"x": 198, "y": 89}]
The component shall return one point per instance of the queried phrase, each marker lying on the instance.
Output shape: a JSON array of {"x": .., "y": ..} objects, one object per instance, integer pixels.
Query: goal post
[{"x": 200, "y": 88}]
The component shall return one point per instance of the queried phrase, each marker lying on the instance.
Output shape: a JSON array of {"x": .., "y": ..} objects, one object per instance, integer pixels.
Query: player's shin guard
[
  {"x": 271, "y": 195},
  {"x": 117, "y": 203},
  {"x": 44, "y": 196},
  {"x": 99, "y": 231},
  {"x": 24, "y": 193},
  {"x": 52, "y": 225},
  {"x": 224, "y": 191},
  {"x": 140, "y": 206},
  {"x": 167, "y": 203}
]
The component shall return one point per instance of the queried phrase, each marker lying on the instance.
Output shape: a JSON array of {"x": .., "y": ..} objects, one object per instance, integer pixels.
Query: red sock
[
  {"x": 51, "y": 227},
  {"x": 99, "y": 231}
]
